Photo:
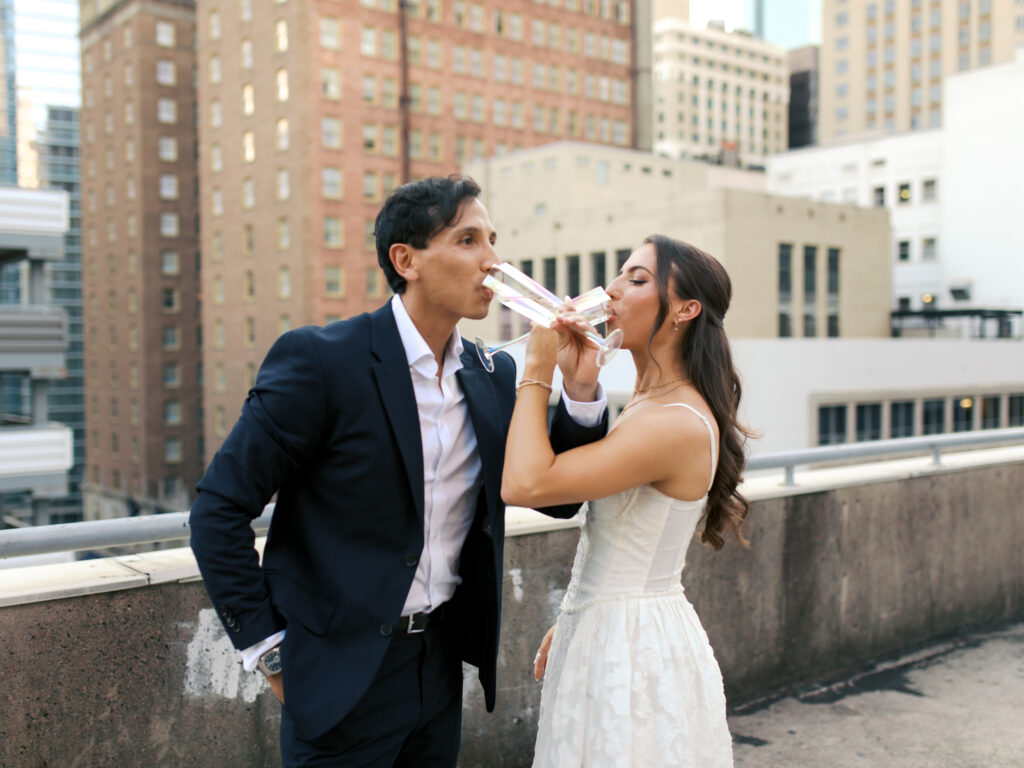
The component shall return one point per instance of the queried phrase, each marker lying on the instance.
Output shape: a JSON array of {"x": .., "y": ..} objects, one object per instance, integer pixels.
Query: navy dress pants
[{"x": 410, "y": 716}]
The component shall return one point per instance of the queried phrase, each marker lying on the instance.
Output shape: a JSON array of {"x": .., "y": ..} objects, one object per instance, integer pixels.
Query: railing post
[
  {"x": 788, "y": 475},
  {"x": 936, "y": 455}
]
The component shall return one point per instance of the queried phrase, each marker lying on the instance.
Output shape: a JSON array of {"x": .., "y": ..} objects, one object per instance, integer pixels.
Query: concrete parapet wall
[{"x": 836, "y": 574}]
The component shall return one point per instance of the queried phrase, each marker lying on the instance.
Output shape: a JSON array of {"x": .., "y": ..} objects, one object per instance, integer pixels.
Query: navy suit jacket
[{"x": 331, "y": 426}]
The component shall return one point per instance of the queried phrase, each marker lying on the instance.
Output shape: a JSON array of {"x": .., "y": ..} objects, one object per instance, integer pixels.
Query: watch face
[{"x": 271, "y": 662}]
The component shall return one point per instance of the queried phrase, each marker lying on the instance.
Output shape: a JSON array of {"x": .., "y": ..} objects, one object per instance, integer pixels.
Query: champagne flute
[{"x": 523, "y": 295}]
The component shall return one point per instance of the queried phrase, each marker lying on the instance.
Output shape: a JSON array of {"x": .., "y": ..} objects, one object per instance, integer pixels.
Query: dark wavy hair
[
  {"x": 414, "y": 213},
  {"x": 706, "y": 359}
]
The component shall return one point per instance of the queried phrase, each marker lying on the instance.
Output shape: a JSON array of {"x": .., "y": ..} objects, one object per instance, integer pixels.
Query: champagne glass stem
[{"x": 509, "y": 343}]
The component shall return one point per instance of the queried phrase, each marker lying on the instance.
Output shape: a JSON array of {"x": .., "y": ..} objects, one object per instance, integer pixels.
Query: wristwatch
[{"x": 270, "y": 662}]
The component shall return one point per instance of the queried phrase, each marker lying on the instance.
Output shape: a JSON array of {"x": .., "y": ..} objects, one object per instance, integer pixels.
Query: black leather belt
[{"x": 420, "y": 622}]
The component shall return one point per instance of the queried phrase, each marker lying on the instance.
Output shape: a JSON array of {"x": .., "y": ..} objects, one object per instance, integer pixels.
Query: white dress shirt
[{"x": 451, "y": 469}]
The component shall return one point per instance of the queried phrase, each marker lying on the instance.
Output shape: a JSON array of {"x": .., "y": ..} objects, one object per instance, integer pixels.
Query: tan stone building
[
  {"x": 718, "y": 94},
  {"x": 140, "y": 255},
  {"x": 311, "y": 112},
  {"x": 883, "y": 62},
  {"x": 570, "y": 214}
]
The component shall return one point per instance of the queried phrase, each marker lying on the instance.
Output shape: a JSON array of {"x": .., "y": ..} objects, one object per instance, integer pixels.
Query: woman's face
[{"x": 634, "y": 294}]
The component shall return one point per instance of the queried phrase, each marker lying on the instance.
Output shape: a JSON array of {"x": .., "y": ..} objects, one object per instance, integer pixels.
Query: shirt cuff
[
  {"x": 251, "y": 655},
  {"x": 587, "y": 414}
]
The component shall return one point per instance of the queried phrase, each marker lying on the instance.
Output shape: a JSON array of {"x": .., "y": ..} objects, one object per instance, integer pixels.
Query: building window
[
  {"x": 372, "y": 282},
  {"x": 903, "y": 250},
  {"x": 172, "y": 449},
  {"x": 901, "y": 418},
  {"x": 831, "y": 424},
  {"x": 598, "y": 265},
  {"x": 929, "y": 249},
  {"x": 283, "y": 136},
  {"x": 550, "y": 267},
  {"x": 333, "y": 237},
  {"x": 330, "y": 36},
  {"x": 166, "y": 74},
  {"x": 785, "y": 273},
  {"x": 370, "y": 189},
  {"x": 284, "y": 283},
  {"x": 172, "y": 375},
  {"x": 282, "y": 85},
  {"x": 168, "y": 186},
  {"x": 904, "y": 193},
  {"x": 169, "y": 263},
  {"x": 171, "y": 338},
  {"x": 330, "y": 83},
  {"x": 165, "y": 34},
  {"x": 1015, "y": 408},
  {"x": 169, "y": 224},
  {"x": 572, "y": 265},
  {"x": 284, "y": 234},
  {"x": 869, "y": 422},
  {"x": 172, "y": 412},
  {"x": 990, "y": 412},
  {"x": 878, "y": 196},
  {"x": 330, "y": 182},
  {"x": 934, "y": 417},
  {"x": 330, "y": 132},
  {"x": 334, "y": 282},
  {"x": 281, "y": 35},
  {"x": 167, "y": 111},
  {"x": 963, "y": 414},
  {"x": 810, "y": 277},
  {"x": 283, "y": 184},
  {"x": 929, "y": 190},
  {"x": 248, "y": 99},
  {"x": 248, "y": 194}
]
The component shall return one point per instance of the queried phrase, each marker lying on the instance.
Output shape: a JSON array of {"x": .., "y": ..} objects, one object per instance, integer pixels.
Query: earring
[{"x": 675, "y": 324}]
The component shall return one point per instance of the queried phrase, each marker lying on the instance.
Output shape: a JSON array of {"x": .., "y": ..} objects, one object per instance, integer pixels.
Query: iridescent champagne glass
[{"x": 525, "y": 296}]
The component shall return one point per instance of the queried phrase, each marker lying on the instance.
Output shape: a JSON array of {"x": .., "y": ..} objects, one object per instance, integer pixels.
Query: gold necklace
[
  {"x": 638, "y": 391},
  {"x": 641, "y": 399}
]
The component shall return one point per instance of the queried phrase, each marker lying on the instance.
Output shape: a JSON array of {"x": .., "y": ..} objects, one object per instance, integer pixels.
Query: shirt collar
[{"x": 420, "y": 358}]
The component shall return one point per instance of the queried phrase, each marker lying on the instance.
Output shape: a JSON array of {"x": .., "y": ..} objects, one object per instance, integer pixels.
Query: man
[{"x": 383, "y": 438}]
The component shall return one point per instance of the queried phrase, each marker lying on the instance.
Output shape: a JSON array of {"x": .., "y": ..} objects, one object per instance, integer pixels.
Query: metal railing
[{"x": 129, "y": 531}]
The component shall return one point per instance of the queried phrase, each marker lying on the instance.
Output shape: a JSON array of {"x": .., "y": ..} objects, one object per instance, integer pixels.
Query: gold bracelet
[{"x": 528, "y": 382}]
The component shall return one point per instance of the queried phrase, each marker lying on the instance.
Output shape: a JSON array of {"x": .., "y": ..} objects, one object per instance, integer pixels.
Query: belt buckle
[{"x": 415, "y": 627}]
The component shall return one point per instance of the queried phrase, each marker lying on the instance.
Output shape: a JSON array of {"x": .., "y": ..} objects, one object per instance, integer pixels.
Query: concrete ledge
[{"x": 853, "y": 564}]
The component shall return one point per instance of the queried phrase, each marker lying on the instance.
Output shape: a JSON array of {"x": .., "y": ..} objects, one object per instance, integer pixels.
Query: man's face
[{"x": 450, "y": 271}]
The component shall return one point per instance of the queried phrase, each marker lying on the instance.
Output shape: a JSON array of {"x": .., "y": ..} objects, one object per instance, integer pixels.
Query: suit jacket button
[
  {"x": 411, "y": 560},
  {"x": 386, "y": 629}
]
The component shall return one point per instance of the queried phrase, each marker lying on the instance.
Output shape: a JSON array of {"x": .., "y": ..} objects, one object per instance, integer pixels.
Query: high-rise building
[
  {"x": 35, "y": 454},
  {"x": 312, "y": 112},
  {"x": 883, "y": 63},
  {"x": 8, "y": 97},
  {"x": 803, "y": 96},
  {"x": 57, "y": 153},
  {"x": 718, "y": 95},
  {"x": 140, "y": 255}
]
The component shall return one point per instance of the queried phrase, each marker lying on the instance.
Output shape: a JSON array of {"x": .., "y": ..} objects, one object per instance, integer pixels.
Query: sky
[{"x": 788, "y": 23}]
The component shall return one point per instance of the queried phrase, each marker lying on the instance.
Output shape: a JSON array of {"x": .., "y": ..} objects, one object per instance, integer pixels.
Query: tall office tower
[
  {"x": 57, "y": 157},
  {"x": 312, "y": 112},
  {"x": 883, "y": 63},
  {"x": 140, "y": 255},
  {"x": 8, "y": 97},
  {"x": 803, "y": 96},
  {"x": 718, "y": 95}
]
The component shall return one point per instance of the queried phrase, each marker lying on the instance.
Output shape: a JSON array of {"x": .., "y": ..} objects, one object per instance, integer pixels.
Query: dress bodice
[{"x": 634, "y": 543}]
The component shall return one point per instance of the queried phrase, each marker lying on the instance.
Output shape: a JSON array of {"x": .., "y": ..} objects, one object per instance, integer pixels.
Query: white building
[
  {"x": 953, "y": 193},
  {"x": 800, "y": 393},
  {"x": 899, "y": 172},
  {"x": 982, "y": 205},
  {"x": 718, "y": 94}
]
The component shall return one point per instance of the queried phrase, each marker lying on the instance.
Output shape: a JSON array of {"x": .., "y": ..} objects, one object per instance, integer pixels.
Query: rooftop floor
[{"x": 957, "y": 703}]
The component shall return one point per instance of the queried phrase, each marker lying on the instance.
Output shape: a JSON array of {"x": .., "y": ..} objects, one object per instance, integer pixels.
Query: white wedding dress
[{"x": 631, "y": 680}]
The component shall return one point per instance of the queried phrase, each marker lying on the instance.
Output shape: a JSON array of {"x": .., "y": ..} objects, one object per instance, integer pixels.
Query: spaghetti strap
[{"x": 711, "y": 432}]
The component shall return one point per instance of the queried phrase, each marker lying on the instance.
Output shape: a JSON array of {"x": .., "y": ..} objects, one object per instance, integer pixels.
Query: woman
[{"x": 630, "y": 676}]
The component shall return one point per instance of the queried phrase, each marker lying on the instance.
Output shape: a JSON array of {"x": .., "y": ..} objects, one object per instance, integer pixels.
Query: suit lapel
[
  {"x": 394, "y": 382},
  {"x": 484, "y": 413}
]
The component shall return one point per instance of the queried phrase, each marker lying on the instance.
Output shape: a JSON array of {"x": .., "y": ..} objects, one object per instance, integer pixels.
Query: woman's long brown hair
[{"x": 706, "y": 358}]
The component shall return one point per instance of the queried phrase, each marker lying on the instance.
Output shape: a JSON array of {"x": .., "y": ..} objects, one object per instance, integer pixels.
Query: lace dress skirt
[{"x": 632, "y": 681}]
